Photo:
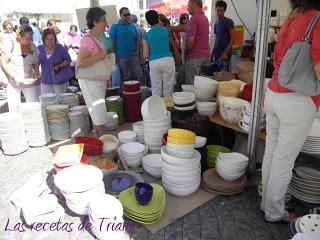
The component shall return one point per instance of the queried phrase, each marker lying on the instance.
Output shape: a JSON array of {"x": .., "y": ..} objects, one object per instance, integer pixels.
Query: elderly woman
[
  {"x": 20, "y": 64},
  {"x": 92, "y": 50},
  {"x": 55, "y": 64},
  {"x": 72, "y": 39}
]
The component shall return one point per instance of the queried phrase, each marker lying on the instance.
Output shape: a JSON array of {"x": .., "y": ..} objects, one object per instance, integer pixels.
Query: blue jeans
[{"x": 131, "y": 66}]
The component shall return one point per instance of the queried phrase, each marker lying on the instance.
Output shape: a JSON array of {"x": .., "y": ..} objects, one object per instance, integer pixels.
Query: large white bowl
[
  {"x": 181, "y": 192},
  {"x": 187, "y": 88},
  {"x": 227, "y": 176},
  {"x": 185, "y": 169},
  {"x": 179, "y": 153},
  {"x": 132, "y": 149},
  {"x": 234, "y": 157},
  {"x": 152, "y": 160},
  {"x": 204, "y": 82},
  {"x": 110, "y": 143},
  {"x": 231, "y": 103},
  {"x": 154, "y": 108},
  {"x": 180, "y": 179},
  {"x": 179, "y": 161},
  {"x": 181, "y": 147},
  {"x": 180, "y": 186},
  {"x": 207, "y": 106},
  {"x": 164, "y": 121}
]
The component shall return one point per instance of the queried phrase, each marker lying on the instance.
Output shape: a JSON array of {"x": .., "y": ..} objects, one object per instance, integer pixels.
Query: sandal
[{"x": 286, "y": 218}]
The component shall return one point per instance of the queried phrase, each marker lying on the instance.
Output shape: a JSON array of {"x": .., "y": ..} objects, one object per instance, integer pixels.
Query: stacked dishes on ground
[
  {"x": 13, "y": 139},
  {"x": 212, "y": 154},
  {"x": 132, "y": 153},
  {"x": 49, "y": 99},
  {"x": 152, "y": 164},
  {"x": 137, "y": 127},
  {"x": 145, "y": 214},
  {"x": 58, "y": 121},
  {"x": 180, "y": 168},
  {"x": 308, "y": 225},
  {"x": 305, "y": 184},
  {"x": 79, "y": 123},
  {"x": 156, "y": 122},
  {"x": 184, "y": 102},
  {"x": 230, "y": 109},
  {"x": 131, "y": 99},
  {"x": 107, "y": 207},
  {"x": 231, "y": 166},
  {"x": 127, "y": 136},
  {"x": 115, "y": 104},
  {"x": 312, "y": 143},
  {"x": 79, "y": 184},
  {"x": 145, "y": 93},
  {"x": 223, "y": 76},
  {"x": 35, "y": 123},
  {"x": 206, "y": 108},
  {"x": 112, "y": 121},
  {"x": 205, "y": 88},
  {"x": 70, "y": 99}
]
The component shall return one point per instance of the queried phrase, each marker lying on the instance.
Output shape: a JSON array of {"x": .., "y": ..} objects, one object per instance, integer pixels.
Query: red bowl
[{"x": 164, "y": 139}]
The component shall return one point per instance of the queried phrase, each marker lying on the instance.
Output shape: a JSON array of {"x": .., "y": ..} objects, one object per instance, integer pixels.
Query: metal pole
[
  {"x": 259, "y": 78},
  {"x": 94, "y": 3}
]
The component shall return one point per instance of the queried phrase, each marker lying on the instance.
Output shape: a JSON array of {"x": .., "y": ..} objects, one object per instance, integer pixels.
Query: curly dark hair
[
  {"x": 221, "y": 4},
  {"x": 305, "y": 4},
  {"x": 94, "y": 15},
  {"x": 47, "y": 32},
  {"x": 152, "y": 17}
]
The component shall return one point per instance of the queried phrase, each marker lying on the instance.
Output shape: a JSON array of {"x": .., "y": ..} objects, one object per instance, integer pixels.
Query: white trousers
[
  {"x": 289, "y": 120},
  {"x": 162, "y": 74},
  {"x": 54, "y": 88},
  {"x": 14, "y": 96}
]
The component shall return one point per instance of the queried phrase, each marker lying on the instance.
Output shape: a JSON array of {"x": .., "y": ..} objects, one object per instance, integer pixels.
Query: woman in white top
[{"x": 20, "y": 64}]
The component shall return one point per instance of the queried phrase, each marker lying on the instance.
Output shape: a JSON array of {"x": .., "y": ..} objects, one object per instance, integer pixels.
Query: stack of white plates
[
  {"x": 70, "y": 99},
  {"x": 137, "y": 127},
  {"x": 132, "y": 153},
  {"x": 58, "y": 121},
  {"x": 180, "y": 176},
  {"x": 106, "y": 207},
  {"x": 127, "y": 136},
  {"x": 79, "y": 123},
  {"x": 13, "y": 137},
  {"x": 308, "y": 226},
  {"x": 312, "y": 144},
  {"x": 184, "y": 101},
  {"x": 49, "y": 99},
  {"x": 152, "y": 164},
  {"x": 81, "y": 108},
  {"x": 112, "y": 121},
  {"x": 42, "y": 209},
  {"x": 231, "y": 166},
  {"x": 205, "y": 88},
  {"x": 305, "y": 184},
  {"x": 36, "y": 124},
  {"x": 79, "y": 184}
]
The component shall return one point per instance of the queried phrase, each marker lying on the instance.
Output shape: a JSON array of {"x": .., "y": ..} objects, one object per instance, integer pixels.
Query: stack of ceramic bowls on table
[
  {"x": 184, "y": 103},
  {"x": 79, "y": 123},
  {"x": 245, "y": 117},
  {"x": 132, "y": 153},
  {"x": 231, "y": 166},
  {"x": 131, "y": 99},
  {"x": 145, "y": 93},
  {"x": 70, "y": 99},
  {"x": 145, "y": 214},
  {"x": 106, "y": 206},
  {"x": 152, "y": 164},
  {"x": 305, "y": 184},
  {"x": 223, "y": 76},
  {"x": 127, "y": 136},
  {"x": 49, "y": 99},
  {"x": 307, "y": 226},
  {"x": 36, "y": 124},
  {"x": 212, "y": 182},
  {"x": 206, "y": 108},
  {"x": 58, "y": 121},
  {"x": 110, "y": 143},
  {"x": 312, "y": 143},
  {"x": 205, "y": 88},
  {"x": 188, "y": 88},
  {"x": 156, "y": 122},
  {"x": 115, "y": 104},
  {"x": 79, "y": 184},
  {"x": 212, "y": 154},
  {"x": 13, "y": 139},
  {"x": 229, "y": 89},
  {"x": 112, "y": 121},
  {"x": 138, "y": 128},
  {"x": 230, "y": 109}
]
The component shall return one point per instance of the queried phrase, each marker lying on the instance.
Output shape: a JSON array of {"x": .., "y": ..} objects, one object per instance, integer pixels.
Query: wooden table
[{"x": 217, "y": 119}]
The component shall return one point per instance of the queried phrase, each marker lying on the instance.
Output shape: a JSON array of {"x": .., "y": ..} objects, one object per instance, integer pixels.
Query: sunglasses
[{"x": 127, "y": 15}]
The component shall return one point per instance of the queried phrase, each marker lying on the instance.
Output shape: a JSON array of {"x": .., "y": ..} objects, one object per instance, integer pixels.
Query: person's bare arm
[
  {"x": 145, "y": 49},
  {"x": 36, "y": 72},
  {"x": 190, "y": 43},
  {"x": 317, "y": 69},
  {"x": 85, "y": 59},
  {"x": 230, "y": 44},
  {"x": 179, "y": 28}
]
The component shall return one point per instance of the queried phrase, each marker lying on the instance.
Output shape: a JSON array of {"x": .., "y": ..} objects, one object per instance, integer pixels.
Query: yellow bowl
[
  {"x": 182, "y": 134},
  {"x": 180, "y": 141}
]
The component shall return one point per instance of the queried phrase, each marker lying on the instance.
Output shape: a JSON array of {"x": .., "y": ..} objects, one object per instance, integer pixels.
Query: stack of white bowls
[
  {"x": 184, "y": 101},
  {"x": 230, "y": 108},
  {"x": 70, "y": 99},
  {"x": 127, "y": 136},
  {"x": 112, "y": 121},
  {"x": 58, "y": 121},
  {"x": 206, "y": 108},
  {"x": 152, "y": 164},
  {"x": 79, "y": 123},
  {"x": 188, "y": 88},
  {"x": 79, "y": 184},
  {"x": 110, "y": 208},
  {"x": 231, "y": 166},
  {"x": 132, "y": 153},
  {"x": 36, "y": 124},
  {"x": 205, "y": 88},
  {"x": 180, "y": 176},
  {"x": 49, "y": 99},
  {"x": 13, "y": 139},
  {"x": 138, "y": 128},
  {"x": 156, "y": 122}
]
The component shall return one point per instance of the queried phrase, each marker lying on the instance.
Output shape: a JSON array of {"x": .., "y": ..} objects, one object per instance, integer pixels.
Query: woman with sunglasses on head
[{"x": 20, "y": 64}]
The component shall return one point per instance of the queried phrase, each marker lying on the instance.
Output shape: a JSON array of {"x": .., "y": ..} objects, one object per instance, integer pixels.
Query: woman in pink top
[
  {"x": 92, "y": 50},
  {"x": 289, "y": 115},
  {"x": 72, "y": 39}
]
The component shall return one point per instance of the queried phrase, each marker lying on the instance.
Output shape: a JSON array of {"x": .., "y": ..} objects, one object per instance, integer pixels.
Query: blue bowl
[
  {"x": 143, "y": 201},
  {"x": 143, "y": 193}
]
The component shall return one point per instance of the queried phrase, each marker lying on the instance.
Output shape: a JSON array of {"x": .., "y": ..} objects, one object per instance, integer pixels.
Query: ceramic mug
[
  {"x": 244, "y": 126},
  {"x": 244, "y": 117},
  {"x": 247, "y": 109}
]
